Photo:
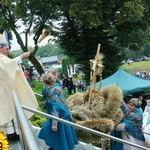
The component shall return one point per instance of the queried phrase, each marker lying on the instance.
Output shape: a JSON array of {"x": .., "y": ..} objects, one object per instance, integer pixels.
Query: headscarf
[
  {"x": 133, "y": 120},
  {"x": 55, "y": 99}
]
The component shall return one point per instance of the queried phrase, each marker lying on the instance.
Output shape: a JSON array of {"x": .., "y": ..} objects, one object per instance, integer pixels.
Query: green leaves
[
  {"x": 130, "y": 11},
  {"x": 87, "y": 12},
  {"x": 83, "y": 24}
]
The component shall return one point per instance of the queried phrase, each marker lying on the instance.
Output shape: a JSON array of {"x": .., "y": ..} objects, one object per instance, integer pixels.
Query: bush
[{"x": 38, "y": 120}]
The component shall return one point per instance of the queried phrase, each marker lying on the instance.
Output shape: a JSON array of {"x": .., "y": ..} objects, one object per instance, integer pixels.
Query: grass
[{"x": 136, "y": 66}]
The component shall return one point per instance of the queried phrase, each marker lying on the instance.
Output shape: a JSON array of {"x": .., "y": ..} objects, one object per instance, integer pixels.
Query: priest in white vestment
[{"x": 12, "y": 78}]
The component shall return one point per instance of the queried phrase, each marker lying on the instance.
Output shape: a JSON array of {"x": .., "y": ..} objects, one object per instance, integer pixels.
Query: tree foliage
[
  {"x": 82, "y": 24},
  {"x": 34, "y": 16},
  {"x": 115, "y": 24},
  {"x": 49, "y": 50}
]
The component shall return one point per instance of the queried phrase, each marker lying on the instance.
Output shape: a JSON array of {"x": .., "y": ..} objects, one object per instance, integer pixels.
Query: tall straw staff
[{"x": 96, "y": 69}]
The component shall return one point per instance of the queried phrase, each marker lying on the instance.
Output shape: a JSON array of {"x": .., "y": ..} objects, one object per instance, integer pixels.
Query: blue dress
[{"x": 65, "y": 137}]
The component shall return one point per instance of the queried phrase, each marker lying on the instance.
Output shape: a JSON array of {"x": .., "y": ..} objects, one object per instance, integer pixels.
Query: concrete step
[
  {"x": 87, "y": 146},
  {"x": 16, "y": 145},
  {"x": 80, "y": 146}
]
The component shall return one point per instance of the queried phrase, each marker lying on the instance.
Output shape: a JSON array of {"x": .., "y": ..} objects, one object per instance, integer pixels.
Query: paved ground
[{"x": 16, "y": 145}]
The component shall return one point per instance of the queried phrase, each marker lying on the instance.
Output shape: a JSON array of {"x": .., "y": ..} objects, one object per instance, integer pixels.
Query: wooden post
[{"x": 93, "y": 66}]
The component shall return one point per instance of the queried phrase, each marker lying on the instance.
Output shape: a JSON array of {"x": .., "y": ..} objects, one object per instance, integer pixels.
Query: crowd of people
[
  {"x": 73, "y": 86},
  {"x": 67, "y": 83},
  {"x": 143, "y": 74}
]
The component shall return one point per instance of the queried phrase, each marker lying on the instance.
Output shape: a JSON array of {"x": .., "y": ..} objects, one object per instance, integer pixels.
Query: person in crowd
[
  {"x": 12, "y": 79},
  {"x": 140, "y": 98},
  {"x": 70, "y": 86},
  {"x": 146, "y": 122},
  {"x": 65, "y": 82},
  {"x": 31, "y": 74},
  {"x": 74, "y": 86},
  {"x": 142, "y": 102},
  {"x": 57, "y": 135},
  {"x": 27, "y": 74},
  {"x": 130, "y": 128},
  {"x": 23, "y": 67}
]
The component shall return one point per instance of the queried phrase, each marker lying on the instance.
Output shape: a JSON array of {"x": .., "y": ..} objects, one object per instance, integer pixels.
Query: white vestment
[
  {"x": 146, "y": 124},
  {"x": 12, "y": 78}
]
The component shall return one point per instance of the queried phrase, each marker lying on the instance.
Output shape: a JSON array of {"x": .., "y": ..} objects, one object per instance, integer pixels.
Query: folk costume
[
  {"x": 65, "y": 137},
  {"x": 130, "y": 129}
]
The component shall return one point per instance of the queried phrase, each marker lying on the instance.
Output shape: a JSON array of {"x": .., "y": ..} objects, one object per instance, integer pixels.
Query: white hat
[{"x": 3, "y": 39}]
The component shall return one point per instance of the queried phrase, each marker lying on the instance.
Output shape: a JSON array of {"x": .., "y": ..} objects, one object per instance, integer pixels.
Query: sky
[{"x": 16, "y": 46}]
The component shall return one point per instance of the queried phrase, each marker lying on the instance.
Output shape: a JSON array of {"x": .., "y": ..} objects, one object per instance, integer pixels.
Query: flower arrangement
[{"x": 3, "y": 142}]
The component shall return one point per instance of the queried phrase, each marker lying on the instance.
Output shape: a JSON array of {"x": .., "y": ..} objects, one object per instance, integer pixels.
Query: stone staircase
[{"x": 16, "y": 145}]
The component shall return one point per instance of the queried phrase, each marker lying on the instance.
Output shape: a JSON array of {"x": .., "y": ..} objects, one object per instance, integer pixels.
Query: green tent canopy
[{"x": 127, "y": 82}]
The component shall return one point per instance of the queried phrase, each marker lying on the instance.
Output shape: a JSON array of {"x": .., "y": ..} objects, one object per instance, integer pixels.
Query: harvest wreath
[{"x": 3, "y": 142}]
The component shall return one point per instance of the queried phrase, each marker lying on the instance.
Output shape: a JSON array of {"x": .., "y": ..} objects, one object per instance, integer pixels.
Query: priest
[{"x": 12, "y": 78}]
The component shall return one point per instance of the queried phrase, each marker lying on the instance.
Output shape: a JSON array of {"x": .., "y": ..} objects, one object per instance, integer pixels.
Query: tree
[
  {"x": 115, "y": 24},
  {"x": 4, "y": 25},
  {"x": 34, "y": 16},
  {"x": 147, "y": 50},
  {"x": 64, "y": 67},
  {"x": 67, "y": 63},
  {"x": 49, "y": 50}
]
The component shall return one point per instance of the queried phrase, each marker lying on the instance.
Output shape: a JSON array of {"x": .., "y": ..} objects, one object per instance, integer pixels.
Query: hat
[{"x": 3, "y": 39}]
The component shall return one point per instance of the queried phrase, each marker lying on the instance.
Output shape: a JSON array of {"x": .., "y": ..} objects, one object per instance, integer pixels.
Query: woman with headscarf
[
  {"x": 130, "y": 128},
  {"x": 57, "y": 135}
]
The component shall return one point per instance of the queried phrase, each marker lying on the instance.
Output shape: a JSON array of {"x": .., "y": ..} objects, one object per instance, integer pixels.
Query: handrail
[
  {"x": 82, "y": 127},
  {"x": 30, "y": 140},
  {"x": 42, "y": 96}
]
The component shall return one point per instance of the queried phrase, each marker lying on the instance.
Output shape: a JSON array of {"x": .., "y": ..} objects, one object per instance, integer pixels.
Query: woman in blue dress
[{"x": 57, "y": 135}]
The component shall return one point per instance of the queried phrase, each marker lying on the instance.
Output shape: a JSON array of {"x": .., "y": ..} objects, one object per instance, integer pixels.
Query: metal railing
[
  {"x": 84, "y": 128},
  {"x": 25, "y": 133},
  {"x": 30, "y": 139}
]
